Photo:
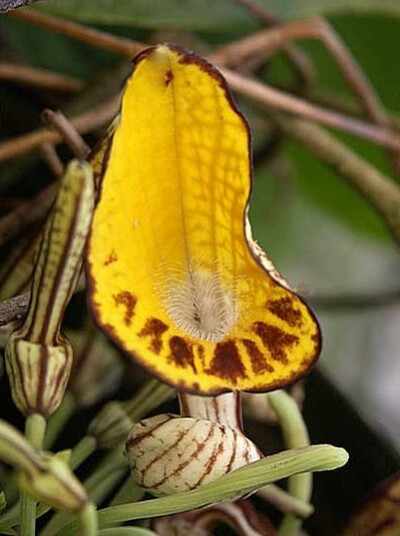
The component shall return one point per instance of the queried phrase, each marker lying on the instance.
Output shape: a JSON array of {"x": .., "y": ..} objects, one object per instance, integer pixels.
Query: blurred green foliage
[{"x": 207, "y": 15}]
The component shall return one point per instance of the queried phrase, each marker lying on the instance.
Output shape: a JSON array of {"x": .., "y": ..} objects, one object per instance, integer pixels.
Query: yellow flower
[{"x": 175, "y": 277}]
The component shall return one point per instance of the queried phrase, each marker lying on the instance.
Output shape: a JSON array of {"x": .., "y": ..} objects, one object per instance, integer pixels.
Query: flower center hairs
[{"x": 174, "y": 275}]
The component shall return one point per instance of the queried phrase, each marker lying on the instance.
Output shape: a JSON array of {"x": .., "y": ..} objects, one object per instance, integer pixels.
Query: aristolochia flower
[{"x": 175, "y": 277}]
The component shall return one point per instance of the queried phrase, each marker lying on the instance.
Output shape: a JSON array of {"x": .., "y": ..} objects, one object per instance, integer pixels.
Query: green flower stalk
[{"x": 38, "y": 355}]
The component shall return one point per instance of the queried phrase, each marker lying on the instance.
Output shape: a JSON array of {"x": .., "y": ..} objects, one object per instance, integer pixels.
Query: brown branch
[
  {"x": 35, "y": 209},
  {"x": 40, "y": 78},
  {"x": 91, "y": 36},
  {"x": 316, "y": 28},
  {"x": 14, "y": 308},
  {"x": 270, "y": 97},
  {"x": 52, "y": 159},
  {"x": 58, "y": 122},
  {"x": 27, "y": 213},
  {"x": 300, "y": 62},
  {"x": 85, "y": 122},
  {"x": 347, "y": 105},
  {"x": 382, "y": 193},
  {"x": 250, "y": 88}
]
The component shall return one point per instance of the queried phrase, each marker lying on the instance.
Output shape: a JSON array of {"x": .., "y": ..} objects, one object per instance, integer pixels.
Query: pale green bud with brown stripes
[
  {"x": 46, "y": 477},
  {"x": 38, "y": 355},
  {"x": 171, "y": 454}
]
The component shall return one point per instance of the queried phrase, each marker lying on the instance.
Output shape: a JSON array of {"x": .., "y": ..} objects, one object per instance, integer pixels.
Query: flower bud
[
  {"x": 169, "y": 454},
  {"x": 110, "y": 426},
  {"x": 38, "y": 356},
  {"x": 42, "y": 390},
  {"x": 53, "y": 482},
  {"x": 46, "y": 477}
]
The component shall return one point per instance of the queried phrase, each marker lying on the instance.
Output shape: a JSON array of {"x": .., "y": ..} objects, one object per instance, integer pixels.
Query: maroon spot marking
[
  {"x": 181, "y": 352},
  {"x": 200, "y": 349},
  {"x": 285, "y": 310},
  {"x": 154, "y": 328},
  {"x": 169, "y": 76},
  {"x": 128, "y": 300},
  {"x": 275, "y": 340},
  {"x": 258, "y": 360},
  {"x": 112, "y": 257},
  {"x": 226, "y": 362}
]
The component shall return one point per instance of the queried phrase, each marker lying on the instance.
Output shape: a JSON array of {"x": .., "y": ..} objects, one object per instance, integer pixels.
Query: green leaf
[
  {"x": 209, "y": 15},
  {"x": 231, "y": 486}
]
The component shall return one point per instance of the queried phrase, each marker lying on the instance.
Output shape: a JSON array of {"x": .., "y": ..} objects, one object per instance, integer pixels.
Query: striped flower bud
[
  {"x": 48, "y": 478},
  {"x": 38, "y": 355},
  {"x": 110, "y": 426},
  {"x": 52, "y": 481},
  {"x": 171, "y": 454}
]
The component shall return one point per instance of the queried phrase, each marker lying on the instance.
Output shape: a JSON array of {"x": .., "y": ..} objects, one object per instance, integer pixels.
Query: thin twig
[
  {"x": 250, "y": 88},
  {"x": 52, "y": 159},
  {"x": 85, "y": 122},
  {"x": 40, "y": 78},
  {"x": 299, "y": 60},
  {"x": 382, "y": 193},
  {"x": 91, "y": 36},
  {"x": 58, "y": 122},
  {"x": 271, "y": 97},
  {"x": 347, "y": 105},
  {"x": 14, "y": 308},
  {"x": 355, "y": 78},
  {"x": 27, "y": 213},
  {"x": 316, "y": 28}
]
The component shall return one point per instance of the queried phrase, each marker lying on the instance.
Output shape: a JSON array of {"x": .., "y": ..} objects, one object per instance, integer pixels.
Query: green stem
[
  {"x": 236, "y": 484},
  {"x": 295, "y": 435},
  {"x": 35, "y": 428},
  {"x": 88, "y": 520},
  {"x": 86, "y": 446},
  {"x": 58, "y": 420}
]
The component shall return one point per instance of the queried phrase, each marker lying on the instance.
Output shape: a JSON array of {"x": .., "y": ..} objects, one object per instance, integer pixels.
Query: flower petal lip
[{"x": 259, "y": 257}]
